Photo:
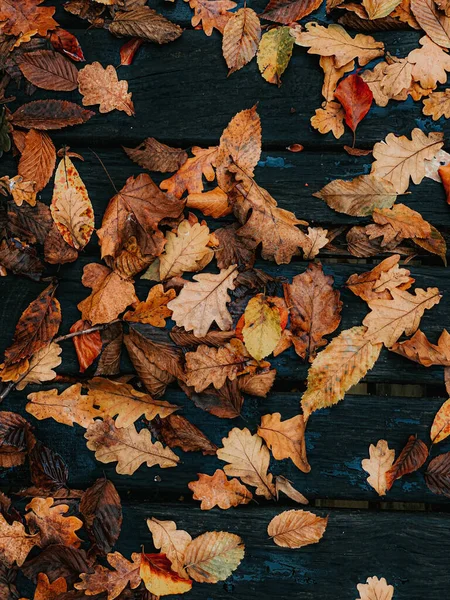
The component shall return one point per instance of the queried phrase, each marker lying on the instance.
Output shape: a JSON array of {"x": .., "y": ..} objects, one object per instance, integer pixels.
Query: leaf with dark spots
[
  {"x": 225, "y": 403},
  {"x": 29, "y": 223},
  {"x": 48, "y": 469},
  {"x": 177, "y": 432},
  {"x": 102, "y": 513},
  {"x": 410, "y": 459},
  {"x": 437, "y": 476},
  {"x": 58, "y": 561},
  {"x": 20, "y": 258},
  {"x": 50, "y": 114},
  {"x": 356, "y": 97}
]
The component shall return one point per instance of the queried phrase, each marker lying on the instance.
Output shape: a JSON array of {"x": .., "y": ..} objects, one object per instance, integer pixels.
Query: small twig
[
  {"x": 101, "y": 327},
  {"x": 7, "y": 389},
  {"x": 105, "y": 169}
]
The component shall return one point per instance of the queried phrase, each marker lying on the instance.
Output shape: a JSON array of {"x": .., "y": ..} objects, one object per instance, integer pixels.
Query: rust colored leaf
[
  {"x": 232, "y": 248},
  {"x": 19, "y": 18},
  {"x": 213, "y": 203},
  {"x": 225, "y": 403},
  {"x": 356, "y": 98},
  {"x": 145, "y": 23},
  {"x": 379, "y": 463},
  {"x": 437, "y": 476},
  {"x": 422, "y": 351},
  {"x": 49, "y": 591},
  {"x": 410, "y": 459},
  {"x": 218, "y": 490},
  {"x": 56, "y": 250},
  {"x": 155, "y": 156},
  {"x": 296, "y": 528},
  {"x": 286, "y": 439},
  {"x": 14, "y": 432},
  {"x": 212, "y": 14},
  {"x": 114, "y": 582},
  {"x": 288, "y": 11},
  {"x": 314, "y": 307},
  {"x": 444, "y": 173},
  {"x": 128, "y": 51},
  {"x": 159, "y": 578},
  {"x": 187, "y": 339},
  {"x": 154, "y": 310},
  {"x": 112, "y": 338},
  {"x": 87, "y": 346},
  {"x": 67, "y": 43},
  {"x": 177, "y": 432},
  {"x": 101, "y": 86},
  {"x": 54, "y": 526},
  {"x": 48, "y": 470},
  {"x": 38, "y": 159},
  {"x": 170, "y": 541},
  {"x": 213, "y": 556},
  {"x": 50, "y": 114},
  {"x": 382, "y": 278},
  {"x": 37, "y": 326},
  {"x": 49, "y": 70},
  {"x": 241, "y": 36},
  {"x": 189, "y": 176},
  {"x": 257, "y": 384},
  {"x": 101, "y": 509}
]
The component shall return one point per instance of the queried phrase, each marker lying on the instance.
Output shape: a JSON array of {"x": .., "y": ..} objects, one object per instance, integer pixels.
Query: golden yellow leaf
[
  {"x": 54, "y": 526},
  {"x": 376, "y": 9},
  {"x": 391, "y": 317},
  {"x": 329, "y": 118},
  {"x": 248, "y": 459},
  {"x": 380, "y": 461},
  {"x": 440, "y": 429},
  {"x": 71, "y": 207},
  {"x": 159, "y": 578},
  {"x": 437, "y": 105},
  {"x": 41, "y": 366},
  {"x": 431, "y": 63},
  {"x": 15, "y": 542},
  {"x": 213, "y": 556},
  {"x": 398, "y": 159},
  {"x": 332, "y": 75},
  {"x": 375, "y": 589},
  {"x": 337, "y": 368},
  {"x": 113, "y": 582},
  {"x": 286, "y": 439},
  {"x": 154, "y": 310},
  {"x": 218, "y": 490},
  {"x": 128, "y": 447},
  {"x": 101, "y": 86},
  {"x": 240, "y": 38},
  {"x": 296, "y": 528},
  {"x": 262, "y": 328},
  {"x": 49, "y": 591},
  {"x": 274, "y": 53},
  {"x": 170, "y": 541}
]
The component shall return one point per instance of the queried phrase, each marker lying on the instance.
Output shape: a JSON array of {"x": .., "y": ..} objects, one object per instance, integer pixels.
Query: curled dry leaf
[
  {"x": 296, "y": 528},
  {"x": 218, "y": 490},
  {"x": 54, "y": 526},
  {"x": 128, "y": 447},
  {"x": 284, "y": 485},
  {"x": 189, "y": 176},
  {"x": 213, "y": 556},
  {"x": 410, "y": 459},
  {"x": 67, "y": 43},
  {"x": 38, "y": 159},
  {"x": 154, "y": 310},
  {"x": 380, "y": 461},
  {"x": 403, "y": 223},
  {"x": 240, "y": 38},
  {"x": 286, "y": 439},
  {"x": 421, "y": 350},
  {"x": 114, "y": 582},
  {"x": 383, "y": 277},
  {"x": 170, "y": 541},
  {"x": 101, "y": 86},
  {"x": 155, "y": 156},
  {"x": 102, "y": 514},
  {"x": 274, "y": 53},
  {"x": 177, "y": 432},
  {"x": 49, "y": 70},
  {"x": 375, "y": 589}
]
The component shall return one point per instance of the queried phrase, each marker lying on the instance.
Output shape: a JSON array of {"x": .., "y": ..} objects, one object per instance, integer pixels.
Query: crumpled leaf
[
  {"x": 154, "y": 309},
  {"x": 87, "y": 346},
  {"x": 67, "y": 43},
  {"x": 101, "y": 86},
  {"x": 422, "y": 351},
  {"x": 274, "y": 53},
  {"x": 286, "y": 439},
  {"x": 213, "y": 556},
  {"x": 54, "y": 526},
  {"x": 170, "y": 541},
  {"x": 240, "y": 38},
  {"x": 155, "y": 156},
  {"x": 296, "y": 528},
  {"x": 113, "y": 582},
  {"x": 380, "y": 461},
  {"x": 218, "y": 490}
]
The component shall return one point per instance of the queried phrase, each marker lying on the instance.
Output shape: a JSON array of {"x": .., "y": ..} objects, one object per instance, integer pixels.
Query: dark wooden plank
[
  {"x": 188, "y": 78},
  {"x": 337, "y": 441}
]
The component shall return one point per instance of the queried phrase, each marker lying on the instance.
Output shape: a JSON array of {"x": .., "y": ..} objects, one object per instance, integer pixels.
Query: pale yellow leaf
[{"x": 380, "y": 461}]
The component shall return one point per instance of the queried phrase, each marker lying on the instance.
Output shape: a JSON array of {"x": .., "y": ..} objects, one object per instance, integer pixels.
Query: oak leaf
[
  {"x": 115, "y": 398},
  {"x": 404, "y": 14},
  {"x": 38, "y": 159},
  {"x": 19, "y": 18},
  {"x": 203, "y": 301},
  {"x": 314, "y": 307},
  {"x": 397, "y": 76},
  {"x": 41, "y": 366},
  {"x": 411, "y": 458},
  {"x": 155, "y": 156},
  {"x": 189, "y": 176},
  {"x": 101, "y": 86},
  {"x": 356, "y": 98},
  {"x": 437, "y": 476},
  {"x": 52, "y": 523},
  {"x": 177, "y": 432},
  {"x": 288, "y": 11},
  {"x": 248, "y": 459},
  {"x": 71, "y": 207},
  {"x": 67, "y": 408},
  {"x": 400, "y": 222},
  {"x": 21, "y": 190},
  {"x": 422, "y": 351},
  {"x": 49, "y": 591},
  {"x": 332, "y": 75},
  {"x": 378, "y": 282},
  {"x": 437, "y": 105},
  {"x": 433, "y": 22},
  {"x": 87, "y": 346},
  {"x": 335, "y": 41},
  {"x": 377, "y": 9},
  {"x": 213, "y": 556},
  {"x": 379, "y": 463},
  {"x": 398, "y": 159},
  {"x": 170, "y": 541},
  {"x": 240, "y": 38},
  {"x": 128, "y": 447},
  {"x": 375, "y": 589},
  {"x": 145, "y": 23},
  {"x": 49, "y": 70},
  {"x": 50, "y": 114},
  {"x": 390, "y": 318},
  {"x": 274, "y": 53},
  {"x": 110, "y": 294},
  {"x": 336, "y": 369},
  {"x": 296, "y": 528},
  {"x": 218, "y": 490},
  {"x": 212, "y": 14},
  {"x": 262, "y": 328},
  {"x": 329, "y": 118},
  {"x": 286, "y": 439},
  {"x": 15, "y": 542},
  {"x": 159, "y": 578},
  {"x": 113, "y": 582},
  {"x": 102, "y": 514},
  {"x": 154, "y": 309},
  {"x": 431, "y": 63},
  {"x": 440, "y": 428}
]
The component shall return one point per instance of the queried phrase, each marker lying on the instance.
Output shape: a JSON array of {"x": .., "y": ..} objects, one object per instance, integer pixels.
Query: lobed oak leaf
[
  {"x": 286, "y": 439},
  {"x": 155, "y": 156},
  {"x": 437, "y": 476},
  {"x": 375, "y": 589},
  {"x": 20, "y": 190},
  {"x": 67, "y": 408},
  {"x": 378, "y": 282},
  {"x": 101, "y": 509},
  {"x": 358, "y": 197},
  {"x": 336, "y": 369},
  {"x": 274, "y": 53},
  {"x": 380, "y": 461},
  {"x": 403, "y": 13},
  {"x": 241, "y": 37},
  {"x": 390, "y": 318},
  {"x": 159, "y": 578},
  {"x": 262, "y": 328},
  {"x": 288, "y": 11},
  {"x": 213, "y": 556},
  {"x": 50, "y": 114},
  {"x": 99, "y": 85},
  {"x": 398, "y": 159},
  {"x": 437, "y": 106},
  {"x": 145, "y": 23},
  {"x": 110, "y": 294},
  {"x": 170, "y": 541},
  {"x": 41, "y": 366},
  {"x": 52, "y": 523},
  {"x": 218, "y": 490},
  {"x": 121, "y": 400},
  {"x": 71, "y": 207},
  {"x": 397, "y": 76},
  {"x": 212, "y": 14},
  {"x": 49, "y": 591},
  {"x": 87, "y": 346},
  {"x": 114, "y": 582},
  {"x": 285, "y": 486},
  {"x": 440, "y": 428},
  {"x": 189, "y": 176},
  {"x": 335, "y": 41},
  {"x": 247, "y": 459},
  {"x": 257, "y": 384},
  {"x": 38, "y": 159},
  {"x": 154, "y": 310},
  {"x": 421, "y": 351},
  {"x": 15, "y": 542},
  {"x": 49, "y": 70},
  {"x": 128, "y": 447},
  {"x": 436, "y": 24},
  {"x": 377, "y": 9},
  {"x": 402, "y": 222},
  {"x": 19, "y": 18},
  {"x": 356, "y": 98},
  {"x": 329, "y": 118},
  {"x": 37, "y": 326},
  {"x": 332, "y": 75},
  {"x": 411, "y": 458},
  {"x": 65, "y": 42},
  {"x": 177, "y": 432},
  {"x": 315, "y": 240},
  {"x": 431, "y": 63},
  {"x": 296, "y": 528}
]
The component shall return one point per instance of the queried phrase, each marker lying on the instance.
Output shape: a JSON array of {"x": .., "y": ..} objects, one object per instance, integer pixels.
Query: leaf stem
[{"x": 73, "y": 334}]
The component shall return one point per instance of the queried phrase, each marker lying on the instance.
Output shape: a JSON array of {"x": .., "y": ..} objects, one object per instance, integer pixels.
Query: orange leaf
[
  {"x": 49, "y": 591},
  {"x": 211, "y": 13},
  {"x": 218, "y": 490},
  {"x": 87, "y": 346},
  {"x": 38, "y": 159},
  {"x": 158, "y": 577},
  {"x": 52, "y": 523},
  {"x": 101, "y": 86},
  {"x": 26, "y": 15},
  {"x": 411, "y": 458}
]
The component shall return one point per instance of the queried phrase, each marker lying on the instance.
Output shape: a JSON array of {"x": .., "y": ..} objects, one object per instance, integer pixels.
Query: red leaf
[
  {"x": 128, "y": 50},
  {"x": 87, "y": 346},
  {"x": 67, "y": 43},
  {"x": 356, "y": 98},
  {"x": 411, "y": 458}
]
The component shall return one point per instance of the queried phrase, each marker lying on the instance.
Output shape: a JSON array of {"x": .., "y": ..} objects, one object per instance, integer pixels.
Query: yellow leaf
[
  {"x": 159, "y": 578},
  {"x": 213, "y": 556},
  {"x": 440, "y": 429},
  {"x": 296, "y": 528},
  {"x": 274, "y": 53},
  {"x": 286, "y": 439},
  {"x": 262, "y": 329},
  {"x": 380, "y": 461},
  {"x": 376, "y": 9}
]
